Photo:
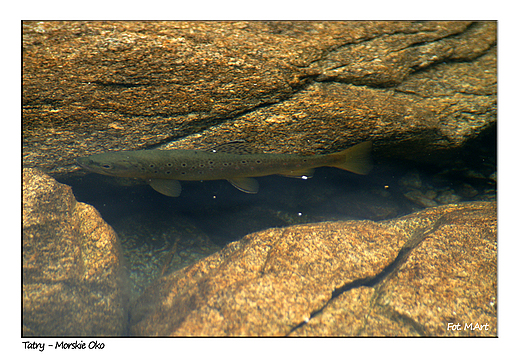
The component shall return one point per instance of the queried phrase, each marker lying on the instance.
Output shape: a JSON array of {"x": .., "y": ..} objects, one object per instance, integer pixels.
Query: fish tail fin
[{"x": 355, "y": 159}]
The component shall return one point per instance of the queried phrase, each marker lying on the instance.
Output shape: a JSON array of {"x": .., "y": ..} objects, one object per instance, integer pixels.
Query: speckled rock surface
[
  {"x": 424, "y": 93},
  {"x": 412, "y": 276},
  {"x": 73, "y": 282},
  {"x": 416, "y": 89}
]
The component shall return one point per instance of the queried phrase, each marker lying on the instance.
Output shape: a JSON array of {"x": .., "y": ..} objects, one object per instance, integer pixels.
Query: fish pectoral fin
[
  {"x": 247, "y": 185},
  {"x": 299, "y": 173},
  {"x": 169, "y": 187}
]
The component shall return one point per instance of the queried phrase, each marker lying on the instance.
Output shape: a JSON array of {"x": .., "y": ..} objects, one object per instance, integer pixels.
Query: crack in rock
[{"x": 417, "y": 237}]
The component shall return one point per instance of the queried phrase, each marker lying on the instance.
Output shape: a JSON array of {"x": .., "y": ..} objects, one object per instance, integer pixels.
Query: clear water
[{"x": 160, "y": 234}]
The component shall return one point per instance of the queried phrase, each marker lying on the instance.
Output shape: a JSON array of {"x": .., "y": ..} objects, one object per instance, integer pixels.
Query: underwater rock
[
  {"x": 423, "y": 92},
  {"x": 448, "y": 197},
  {"x": 468, "y": 191},
  {"x": 73, "y": 280},
  {"x": 417, "y": 197},
  {"x": 412, "y": 180},
  {"x": 419, "y": 90},
  {"x": 410, "y": 276}
]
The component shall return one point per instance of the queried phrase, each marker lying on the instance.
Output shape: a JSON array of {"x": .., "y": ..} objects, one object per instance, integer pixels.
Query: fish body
[{"x": 164, "y": 168}]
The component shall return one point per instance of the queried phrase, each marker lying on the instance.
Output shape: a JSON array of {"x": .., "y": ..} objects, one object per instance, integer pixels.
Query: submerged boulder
[
  {"x": 411, "y": 276},
  {"x": 73, "y": 278},
  {"x": 414, "y": 88}
]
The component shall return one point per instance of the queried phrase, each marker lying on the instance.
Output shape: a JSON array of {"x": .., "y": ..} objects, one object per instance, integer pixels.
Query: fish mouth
[
  {"x": 91, "y": 166},
  {"x": 83, "y": 162}
]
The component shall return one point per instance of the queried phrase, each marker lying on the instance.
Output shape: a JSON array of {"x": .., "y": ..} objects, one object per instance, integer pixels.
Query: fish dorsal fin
[
  {"x": 299, "y": 173},
  {"x": 235, "y": 147},
  {"x": 169, "y": 187},
  {"x": 247, "y": 185}
]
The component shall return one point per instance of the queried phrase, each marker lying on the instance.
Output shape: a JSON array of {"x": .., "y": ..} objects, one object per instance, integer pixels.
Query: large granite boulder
[
  {"x": 414, "y": 88},
  {"x": 73, "y": 278},
  {"x": 424, "y": 92},
  {"x": 425, "y": 274}
]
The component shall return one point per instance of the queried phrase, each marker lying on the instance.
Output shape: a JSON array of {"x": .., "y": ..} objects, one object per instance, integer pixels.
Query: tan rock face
[
  {"x": 431, "y": 273},
  {"x": 423, "y": 92},
  {"x": 73, "y": 282},
  {"x": 414, "y": 88},
  {"x": 409, "y": 276}
]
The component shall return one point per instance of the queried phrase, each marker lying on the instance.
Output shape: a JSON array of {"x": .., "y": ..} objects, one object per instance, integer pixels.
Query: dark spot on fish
[
  {"x": 183, "y": 173},
  {"x": 183, "y": 164},
  {"x": 211, "y": 162},
  {"x": 152, "y": 166},
  {"x": 258, "y": 162},
  {"x": 169, "y": 164},
  {"x": 244, "y": 162},
  {"x": 156, "y": 171},
  {"x": 225, "y": 164},
  {"x": 201, "y": 172},
  {"x": 107, "y": 166},
  {"x": 201, "y": 165},
  {"x": 168, "y": 172}
]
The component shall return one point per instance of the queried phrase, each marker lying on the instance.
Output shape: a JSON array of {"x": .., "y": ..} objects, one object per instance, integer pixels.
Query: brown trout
[{"x": 234, "y": 162}]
